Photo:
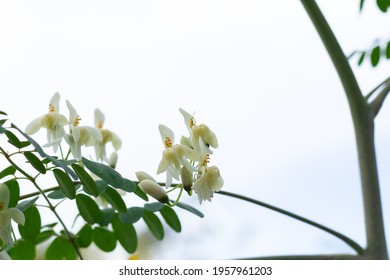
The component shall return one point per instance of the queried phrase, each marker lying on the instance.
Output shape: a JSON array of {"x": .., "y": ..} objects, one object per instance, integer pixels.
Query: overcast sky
[{"x": 254, "y": 71}]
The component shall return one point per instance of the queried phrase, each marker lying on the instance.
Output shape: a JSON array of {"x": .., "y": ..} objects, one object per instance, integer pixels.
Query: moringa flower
[
  {"x": 53, "y": 121},
  {"x": 6, "y": 215},
  {"x": 108, "y": 136},
  {"x": 80, "y": 135},
  {"x": 154, "y": 190},
  {"x": 174, "y": 156},
  {"x": 210, "y": 181},
  {"x": 197, "y": 133}
]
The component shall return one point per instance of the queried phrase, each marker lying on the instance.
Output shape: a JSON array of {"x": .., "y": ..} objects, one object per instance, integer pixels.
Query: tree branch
[
  {"x": 309, "y": 257},
  {"x": 377, "y": 103},
  {"x": 363, "y": 121}
]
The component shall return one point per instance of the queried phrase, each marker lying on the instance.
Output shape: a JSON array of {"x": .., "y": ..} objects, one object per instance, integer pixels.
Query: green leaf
[
  {"x": 171, "y": 218},
  {"x": 106, "y": 173},
  {"x": 88, "y": 209},
  {"x": 3, "y": 113},
  {"x": 13, "y": 140},
  {"x": 154, "y": 224},
  {"x": 84, "y": 236},
  {"x": 126, "y": 235},
  {"x": 44, "y": 235},
  {"x": 35, "y": 162},
  {"x": 383, "y": 5},
  {"x": 388, "y": 50},
  {"x": 61, "y": 249},
  {"x": 57, "y": 194},
  {"x": 107, "y": 215},
  {"x": 115, "y": 199},
  {"x": 14, "y": 191},
  {"x": 361, "y": 5},
  {"x": 26, "y": 204},
  {"x": 23, "y": 250},
  {"x": 132, "y": 215},
  {"x": 128, "y": 186},
  {"x": 375, "y": 56},
  {"x": 190, "y": 209},
  {"x": 86, "y": 179},
  {"x": 39, "y": 149},
  {"x": 104, "y": 239},
  {"x": 65, "y": 183},
  {"x": 140, "y": 193},
  {"x": 52, "y": 225},
  {"x": 10, "y": 170},
  {"x": 32, "y": 226},
  {"x": 153, "y": 207},
  {"x": 361, "y": 59},
  {"x": 101, "y": 186}
]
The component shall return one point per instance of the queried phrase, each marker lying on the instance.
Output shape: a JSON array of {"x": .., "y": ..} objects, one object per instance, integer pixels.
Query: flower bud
[
  {"x": 141, "y": 175},
  {"x": 186, "y": 179},
  {"x": 113, "y": 160},
  {"x": 154, "y": 190}
]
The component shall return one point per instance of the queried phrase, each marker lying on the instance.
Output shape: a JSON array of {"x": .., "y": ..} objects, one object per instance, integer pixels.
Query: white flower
[
  {"x": 4, "y": 256},
  {"x": 108, "y": 136},
  {"x": 174, "y": 156},
  {"x": 210, "y": 181},
  {"x": 141, "y": 175},
  {"x": 80, "y": 135},
  {"x": 197, "y": 133},
  {"x": 6, "y": 215},
  {"x": 154, "y": 190},
  {"x": 53, "y": 121}
]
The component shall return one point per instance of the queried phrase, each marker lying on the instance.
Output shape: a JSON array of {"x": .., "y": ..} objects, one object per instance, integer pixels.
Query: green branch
[
  {"x": 344, "y": 238},
  {"x": 363, "y": 121},
  {"x": 309, "y": 257}
]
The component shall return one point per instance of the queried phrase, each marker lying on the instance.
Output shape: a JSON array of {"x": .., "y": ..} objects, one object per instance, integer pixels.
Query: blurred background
[{"x": 255, "y": 72}]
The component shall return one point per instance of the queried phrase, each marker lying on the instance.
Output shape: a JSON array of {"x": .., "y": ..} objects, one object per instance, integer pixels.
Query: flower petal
[
  {"x": 17, "y": 215},
  {"x": 141, "y": 175},
  {"x": 166, "y": 135},
  {"x": 4, "y": 196},
  {"x": 55, "y": 102},
  {"x": 34, "y": 126},
  {"x": 116, "y": 141},
  {"x": 4, "y": 256},
  {"x": 99, "y": 119}
]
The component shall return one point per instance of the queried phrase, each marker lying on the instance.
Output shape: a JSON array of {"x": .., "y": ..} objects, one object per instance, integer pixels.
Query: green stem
[
  {"x": 25, "y": 196},
  {"x": 363, "y": 121},
  {"x": 344, "y": 238},
  {"x": 52, "y": 208}
]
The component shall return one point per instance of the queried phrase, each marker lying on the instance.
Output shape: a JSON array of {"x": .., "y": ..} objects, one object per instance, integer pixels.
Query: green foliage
[
  {"x": 132, "y": 215},
  {"x": 23, "y": 250},
  {"x": 106, "y": 216},
  {"x": 154, "y": 224},
  {"x": 104, "y": 239},
  {"x": 65, "y": 183},
  {"x": 26, "y": 204},
  {"x": 88, "y": 183},
  {"x": 88, "y": 209},
  {"x": 61, "y": 249},
  {"x": 14, "y": 190},
  {"x": 10, "y": 170},
  {"x": 383, "y": 5},
  {"x": 106, "y": 173},
  {"x": 388, "y": 50},
  {"x": 44, "y": 236},
  {"x": 171, "y": 218},
  {"x": 190, "y": 209},
  {"x": 32, "y": 226},
  {"x": 140, "y": 193},
  {"x": 125, "y": 234},
  {"x": 375, "y": 56},
  {"x": 13, "y": 140},
  {"x": 35, "y": 162},
  {"x": 154, "y": 206},
  {"x": 84, "y": 236},
  {"x": 115, "y": 199}
]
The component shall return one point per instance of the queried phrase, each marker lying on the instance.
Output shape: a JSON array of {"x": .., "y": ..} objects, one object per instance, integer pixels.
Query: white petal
[
  {"x": 141, "y": 175},
  {"x": 163, "y": 165},
  {"x": 55, "y": 102},
  {"x": 17, "y": 215},
  {"x": 76, "y": 133},
  {"x": 153, "y": 189},
  {"x": 116, "y": 141},
  {"x": 188, "y": 118},
  {"x": 99, "y": 118},
  {"x": 166, "y": 133},
  {"x": 94, "y": 133},
  {"x": 6, "y": 237},
  {"x": 4, "y": 195},
  {"x": 34, "y": 126},
  {"x": 72, "y": 112},
  {"x": 62, "y": 120},
  {"x": 174, "y": 172}
]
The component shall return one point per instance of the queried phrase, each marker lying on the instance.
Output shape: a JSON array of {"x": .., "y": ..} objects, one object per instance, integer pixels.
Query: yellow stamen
[
  {"x": 168, "y": 142},
  {"x": 77, "y": 121},
  {"x": 206, "y": 160},
  {"x": 100, "y": 124},
  {"x": 192, "y": 122},
  {"x": 51, "y": 108}
]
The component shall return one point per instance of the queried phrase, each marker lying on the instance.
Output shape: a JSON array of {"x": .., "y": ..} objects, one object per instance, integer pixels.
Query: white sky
[{"x": 254, "y": 71}]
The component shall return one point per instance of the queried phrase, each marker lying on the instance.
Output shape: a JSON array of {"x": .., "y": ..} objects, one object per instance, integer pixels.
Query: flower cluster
[
  {"x": 78, "y": 135},
  {"x": 187, "y": 162}
]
